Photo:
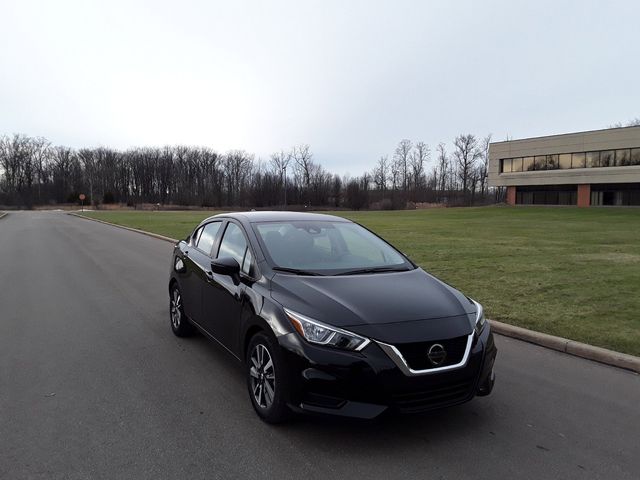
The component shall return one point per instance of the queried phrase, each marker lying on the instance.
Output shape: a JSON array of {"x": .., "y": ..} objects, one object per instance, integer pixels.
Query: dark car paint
[
  {"x": 345, "y": 301},
  {"x": 230, "y": 313},
  {"x": 222, "y": 304},
  {"x": 374, "y": 380}
]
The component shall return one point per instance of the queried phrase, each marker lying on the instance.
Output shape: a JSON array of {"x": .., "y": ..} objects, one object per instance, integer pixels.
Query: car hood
[{"x": 373, "y": 301}]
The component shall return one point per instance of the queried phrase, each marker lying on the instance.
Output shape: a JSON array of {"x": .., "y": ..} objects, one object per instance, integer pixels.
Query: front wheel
[
  {"x": 179, "y": 323},
  {"x": 266, "y": 379}
]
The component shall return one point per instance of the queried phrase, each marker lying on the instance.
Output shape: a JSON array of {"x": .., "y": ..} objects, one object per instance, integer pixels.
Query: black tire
[
  {"x": 180, "y": 325},
  {"x": 267, "y": 397}
]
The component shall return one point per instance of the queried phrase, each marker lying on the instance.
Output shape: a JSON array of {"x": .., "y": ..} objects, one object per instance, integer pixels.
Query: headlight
[
  {"x": 319, "y": 333},
  {"x": 480, "y": 321}
]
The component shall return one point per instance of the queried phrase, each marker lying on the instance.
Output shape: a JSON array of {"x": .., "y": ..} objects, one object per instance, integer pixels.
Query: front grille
[
  {"x": 415, "y": 354},
  {"x": 438, "y": 396}
]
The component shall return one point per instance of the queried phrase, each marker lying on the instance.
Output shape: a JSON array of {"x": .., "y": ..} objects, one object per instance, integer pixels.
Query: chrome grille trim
[{"x": 397, "y": 358}]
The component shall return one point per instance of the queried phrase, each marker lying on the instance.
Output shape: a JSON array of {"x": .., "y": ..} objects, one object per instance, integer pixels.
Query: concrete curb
[
  {"x": 149, "y": 234},
  {"x": 571, "y": 347},
  {"x": 578, "y": 349},
  {"x": 2, "y": 215}
]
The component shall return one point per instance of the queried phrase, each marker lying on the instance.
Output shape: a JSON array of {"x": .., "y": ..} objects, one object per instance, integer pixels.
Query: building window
[
  {"x": 545, "y": 162},
  {"x": 552, "y": 162},
  {"x": 623, "y": 157},
  {"x": 615, "y": 194},
  {"x": 538, "y": 162},
  {"x": 607, "y": 158},
  {"x": 516, "y": 164},
  {"x": 527, "y": 164},
  {"x": 578, "y": 160},
  {"x": 565, "y": 160},
  {"x": 593, "y": 159},
  {"x": 547, "y": 195}
]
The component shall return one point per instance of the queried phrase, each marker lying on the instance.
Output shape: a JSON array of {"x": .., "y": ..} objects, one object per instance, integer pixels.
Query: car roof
[{"x": 277, "y": 216}]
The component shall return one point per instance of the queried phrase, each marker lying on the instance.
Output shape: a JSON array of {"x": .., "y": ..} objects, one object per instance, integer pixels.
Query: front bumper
[{"x": 365, "y": 384}]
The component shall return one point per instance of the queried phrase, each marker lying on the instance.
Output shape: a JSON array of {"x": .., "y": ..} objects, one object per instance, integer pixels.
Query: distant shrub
[{"x": 399, "y": 203}]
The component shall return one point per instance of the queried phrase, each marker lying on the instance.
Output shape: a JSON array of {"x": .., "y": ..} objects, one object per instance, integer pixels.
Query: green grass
[
  {"x": 564, "y": 271},
  {"x": 170, "y": 224}
]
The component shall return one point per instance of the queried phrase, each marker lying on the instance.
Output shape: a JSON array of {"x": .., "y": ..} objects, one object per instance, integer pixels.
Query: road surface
[{"x": 93, "y": 384}]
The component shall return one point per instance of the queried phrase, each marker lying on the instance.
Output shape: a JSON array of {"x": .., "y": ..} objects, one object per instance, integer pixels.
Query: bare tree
[
  {"x": 237, "y": 167},
  {"x": 357, "y": 192},
  {"x": 483, "y": 168},
  {"x": 466, "y": 153},
  {"x": 279, "y": 163},
  {"x": 62, "y": 167},
  {"x": 17, "y": 165},
  {"x": 31, "y": 170},
  {"x": 41, "y": 151},
  {"x": 87, "y": 159},
  {"x": 381, "y": 174},
  {"x": 336, "y": 190},
  {"x": 634, "y": 122},
  {"x": 304, "y": 163},
  {"x": 401, "y": 157},
  {"x": 395, "y": 170},
  {"x": 442, "y": 168},
  {"x": 419, "y": 156}
]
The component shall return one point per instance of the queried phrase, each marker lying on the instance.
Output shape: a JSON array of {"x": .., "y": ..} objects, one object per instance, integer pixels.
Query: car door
[
  {"x": 197, "y": 260},
  {"x": 186, "y": 271},
  {"x": 222, "y": 298}
]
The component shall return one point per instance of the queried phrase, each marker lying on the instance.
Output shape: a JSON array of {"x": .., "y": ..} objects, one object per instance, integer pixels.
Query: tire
[
  {"x": 180, "y": 325},
  {"x": 266, "y": 379}
]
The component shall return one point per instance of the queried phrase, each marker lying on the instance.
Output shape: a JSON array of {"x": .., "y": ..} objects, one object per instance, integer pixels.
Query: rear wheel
[
  {"x": 266, "y": 379},
  {"x": 179, "y": 323}
]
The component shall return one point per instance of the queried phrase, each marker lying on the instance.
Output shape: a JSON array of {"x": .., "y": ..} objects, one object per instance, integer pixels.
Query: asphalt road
[{"x": 93, "y": 384}]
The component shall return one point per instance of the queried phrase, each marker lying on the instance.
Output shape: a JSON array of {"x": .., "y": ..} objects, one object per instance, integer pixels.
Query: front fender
[{"x": 269, "y": 318}]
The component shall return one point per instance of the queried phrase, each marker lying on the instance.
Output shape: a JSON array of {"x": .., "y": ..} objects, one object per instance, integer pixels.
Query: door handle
[{"x": 209, "y": 274}]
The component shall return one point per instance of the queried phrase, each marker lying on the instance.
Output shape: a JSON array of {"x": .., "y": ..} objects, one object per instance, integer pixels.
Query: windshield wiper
[
  {"x": 360, "y": 271},
  {"x": 297, "y": 271}
]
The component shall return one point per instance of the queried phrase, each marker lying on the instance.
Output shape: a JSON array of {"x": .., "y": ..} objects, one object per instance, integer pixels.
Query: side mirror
[{"x": 226, "y": 266}]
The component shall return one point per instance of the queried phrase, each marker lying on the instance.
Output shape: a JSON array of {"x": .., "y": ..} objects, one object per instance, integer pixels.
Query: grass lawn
[{"x": 564, "y": 271}]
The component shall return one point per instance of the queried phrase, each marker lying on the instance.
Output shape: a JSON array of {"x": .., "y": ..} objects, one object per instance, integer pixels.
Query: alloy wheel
[
  {"x": 176, "y": 306},
  {"x": 263, "y": 379}
]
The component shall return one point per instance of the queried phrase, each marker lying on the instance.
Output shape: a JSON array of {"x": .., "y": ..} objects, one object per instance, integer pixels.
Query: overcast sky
[{"x": 351, "y": 78}]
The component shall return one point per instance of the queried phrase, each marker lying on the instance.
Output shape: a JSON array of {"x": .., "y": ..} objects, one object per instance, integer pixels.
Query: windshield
[{"x": 327, "y": 248}]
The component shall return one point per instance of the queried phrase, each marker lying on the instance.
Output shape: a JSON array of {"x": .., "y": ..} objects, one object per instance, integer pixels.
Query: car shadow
[
  {"x": 391, "y": 429},
  {"x": 334, "y": 433}
]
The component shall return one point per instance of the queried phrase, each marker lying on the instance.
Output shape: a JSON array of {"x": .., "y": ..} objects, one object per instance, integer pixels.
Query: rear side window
[{"x": 208, "y": 236}]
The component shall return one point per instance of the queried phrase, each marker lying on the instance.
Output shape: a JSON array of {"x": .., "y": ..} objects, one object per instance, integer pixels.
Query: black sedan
[{"x": 327, "y": 317}]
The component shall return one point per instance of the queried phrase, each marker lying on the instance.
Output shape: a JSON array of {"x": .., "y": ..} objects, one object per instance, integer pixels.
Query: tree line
[{"x": 35, "y": 172}]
